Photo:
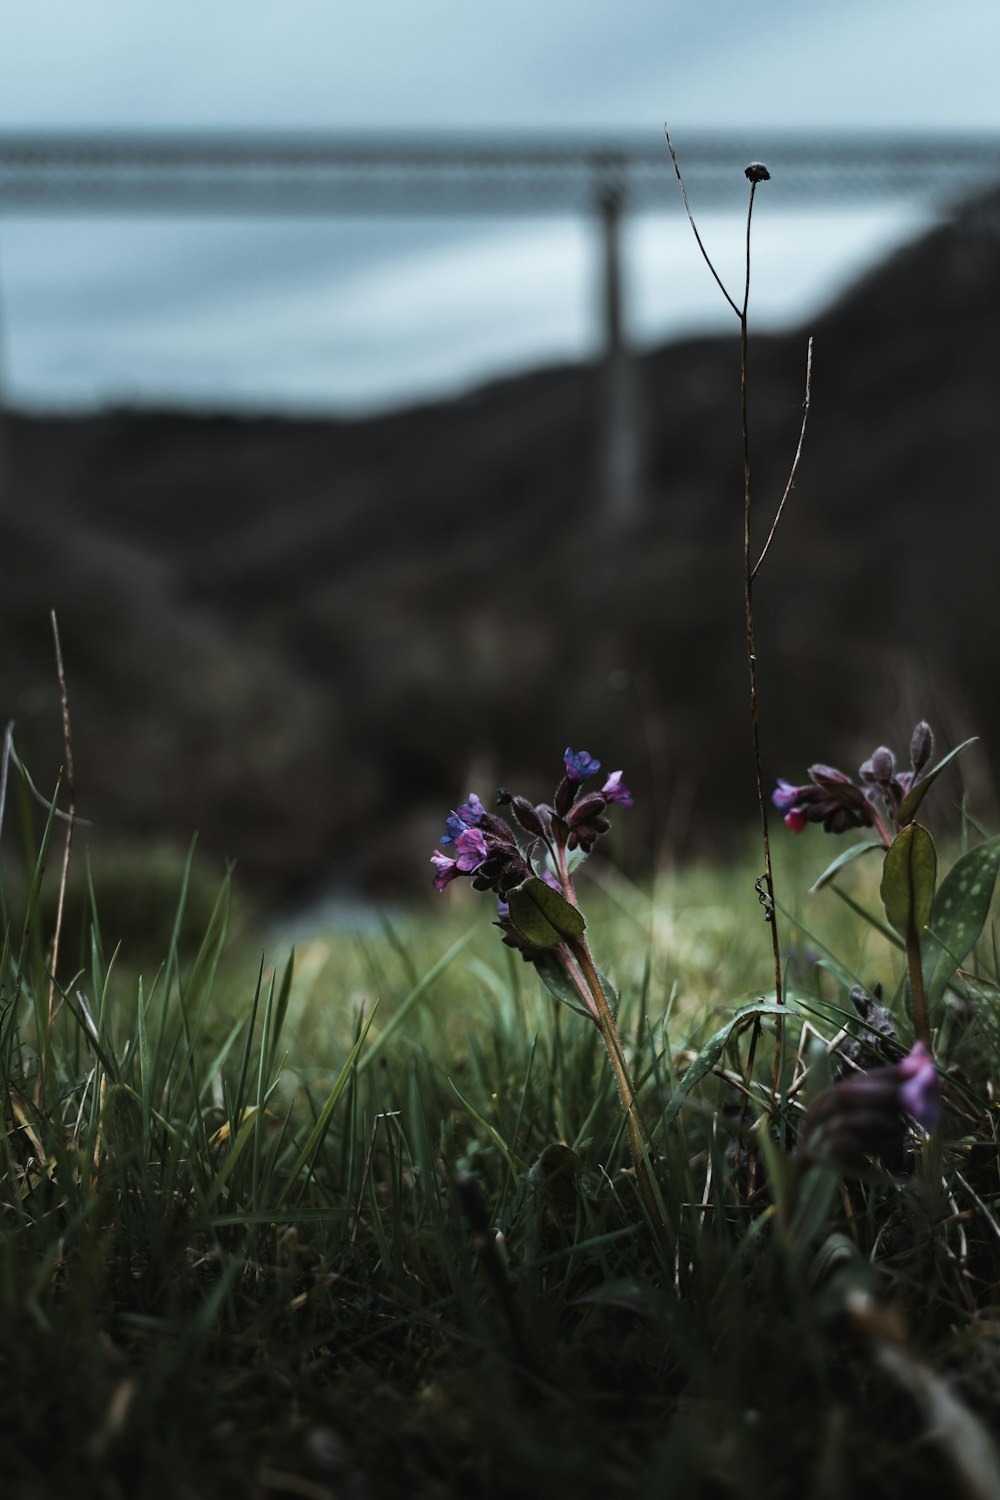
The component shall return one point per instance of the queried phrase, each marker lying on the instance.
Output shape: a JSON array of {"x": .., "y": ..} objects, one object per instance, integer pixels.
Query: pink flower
[
  {"x": 471, "y": 849},
  {"x": 613, "y": 791},
  {"x": 445, "y": 870}
]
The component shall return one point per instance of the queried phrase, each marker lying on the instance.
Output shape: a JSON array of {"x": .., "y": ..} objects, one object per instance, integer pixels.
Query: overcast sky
[{"x": 360, "y": 315}]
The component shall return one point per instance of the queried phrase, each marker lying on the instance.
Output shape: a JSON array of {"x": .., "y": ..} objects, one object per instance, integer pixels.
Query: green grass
[{"x": 248, "y": 1213}]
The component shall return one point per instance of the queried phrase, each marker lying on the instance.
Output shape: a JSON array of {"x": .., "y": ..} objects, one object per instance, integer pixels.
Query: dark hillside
[{"x": 305, "y": 637}]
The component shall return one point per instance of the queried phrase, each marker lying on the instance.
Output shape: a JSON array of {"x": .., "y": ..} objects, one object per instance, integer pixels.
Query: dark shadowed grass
[{"x": 249, "y": 1220}]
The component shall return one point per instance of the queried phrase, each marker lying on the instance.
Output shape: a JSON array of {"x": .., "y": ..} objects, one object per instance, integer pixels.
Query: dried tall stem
[
  {"x": 755, "y": 173},
  {"x": 71, "y": 787}
]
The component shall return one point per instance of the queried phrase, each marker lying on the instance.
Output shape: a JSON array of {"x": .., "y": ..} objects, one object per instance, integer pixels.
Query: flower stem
[
  {"x": 751, "y": 655},
  {"x": 639, "y": 1143},
  {"x": 918, "y": 995}
]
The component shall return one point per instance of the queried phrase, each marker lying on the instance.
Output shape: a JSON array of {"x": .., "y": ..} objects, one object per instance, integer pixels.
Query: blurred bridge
[{"x": 372, "y": 176}]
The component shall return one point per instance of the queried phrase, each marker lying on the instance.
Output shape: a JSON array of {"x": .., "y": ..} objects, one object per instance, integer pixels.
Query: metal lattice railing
[{"x": 354, "y": 175}]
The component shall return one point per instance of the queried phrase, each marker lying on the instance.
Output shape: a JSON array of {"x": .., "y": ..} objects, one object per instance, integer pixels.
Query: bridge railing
[{"x": 363, "y": 175}]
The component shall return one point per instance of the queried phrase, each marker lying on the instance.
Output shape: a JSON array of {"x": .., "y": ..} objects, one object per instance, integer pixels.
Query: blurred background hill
[{"x": 304, "y": 637}]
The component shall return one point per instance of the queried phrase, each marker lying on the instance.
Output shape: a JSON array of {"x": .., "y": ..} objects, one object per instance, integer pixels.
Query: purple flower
[
  {"x": 469, "y": 815},
  {"x": 785, "y": 795},
  {"x": 580, "y": 765},
  {"x": 865, "y": 1113},
  {"x": 471, "y": 849},
  {"x": 484, "y": 847},
  {"x": 920, "y": 1092},
  {"x": 445, "y": 870},
  {"x": 830, "y": 798},
  {"x": 613, "y": 791}
]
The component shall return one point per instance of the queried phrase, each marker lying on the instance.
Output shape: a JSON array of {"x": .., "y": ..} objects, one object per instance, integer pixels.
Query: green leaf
[
  {"x": 959, "y": 915},
  {"x": 713, "y": 1050},
  {"x": 610, "y": 993},
  {"x": 908, "y": 878},
  {"x": 916, "y": 795},
  {"x": 558, "y": 983},
  {"x": 542, "y": 916},
  {"x": 845, "y": 858}
]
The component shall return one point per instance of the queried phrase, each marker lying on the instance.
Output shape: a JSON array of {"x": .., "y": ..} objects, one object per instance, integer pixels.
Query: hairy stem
[
  {"x": 918, "y": 995},
  {"x": 638, "y": 1139}
]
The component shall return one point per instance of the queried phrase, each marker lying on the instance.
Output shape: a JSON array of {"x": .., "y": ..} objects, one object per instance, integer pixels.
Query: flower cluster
[
  {"x": 485, "y": 845},
  {"x": 833, "y": 799},
  {"x": 868, "y": 1113}
]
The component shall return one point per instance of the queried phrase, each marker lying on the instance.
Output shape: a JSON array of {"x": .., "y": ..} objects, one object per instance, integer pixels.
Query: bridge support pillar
[{"x": 620, "y": 457}]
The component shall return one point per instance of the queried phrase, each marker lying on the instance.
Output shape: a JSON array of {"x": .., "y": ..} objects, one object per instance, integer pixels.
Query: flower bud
[
  {"x": 921, "y": 747},
  {"x": 526, "y": 815},
  {"x": 565, "y": 792},
  {"x": 823, "y": 774},
  {"x": 497, "y": 829},
  {"x": 879, "y": 768},
  {"x": 501, "y": 870},
  {"x": 585, "y": 835},
  {"x": 585, "y": 810}
]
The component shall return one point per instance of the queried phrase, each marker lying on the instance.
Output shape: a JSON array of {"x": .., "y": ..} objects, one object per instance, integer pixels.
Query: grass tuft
[{"x": 367, "y": 1222}]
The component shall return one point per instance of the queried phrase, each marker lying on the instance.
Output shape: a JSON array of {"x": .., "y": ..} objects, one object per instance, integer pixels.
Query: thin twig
[
  {"x": 751, "y": 651},
  {"x": 71, "y": 785},
  {"x": 705, "y": 255},
  {"x": 795, "y": 462},
  {"x": 755, "y": 174}
]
